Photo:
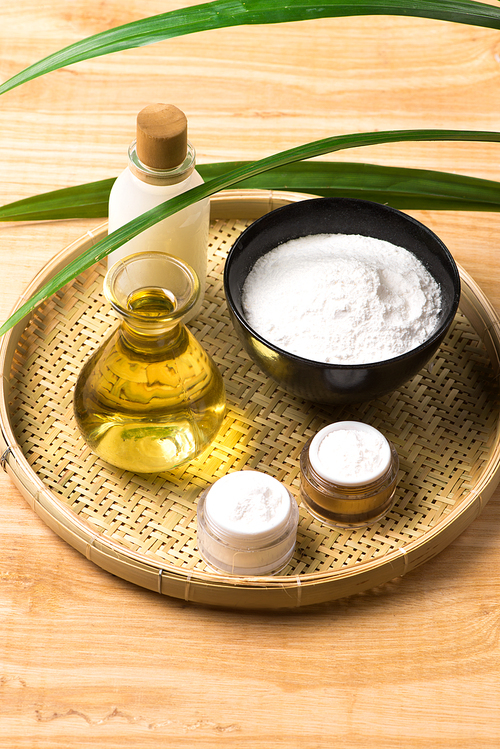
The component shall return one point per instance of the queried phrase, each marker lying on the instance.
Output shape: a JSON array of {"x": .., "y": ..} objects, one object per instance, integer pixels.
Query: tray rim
[{"x": 200, "y": 586}]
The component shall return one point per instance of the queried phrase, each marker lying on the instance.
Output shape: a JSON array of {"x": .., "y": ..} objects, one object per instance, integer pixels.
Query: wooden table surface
[{"x": 87, "y": 659}]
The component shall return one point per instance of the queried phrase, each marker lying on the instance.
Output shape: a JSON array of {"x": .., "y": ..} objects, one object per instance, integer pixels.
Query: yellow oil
[
  {"x": 149, "y": 402},
  {"x": 153, "y": 302}
]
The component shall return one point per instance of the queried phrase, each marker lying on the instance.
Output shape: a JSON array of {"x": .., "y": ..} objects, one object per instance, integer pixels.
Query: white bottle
[{"x": 161, "y": 166}]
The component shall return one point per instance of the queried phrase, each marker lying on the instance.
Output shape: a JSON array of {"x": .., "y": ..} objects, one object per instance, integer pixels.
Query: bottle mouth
[
  {"x": 152, "y": 289},
  {"x": 161, "y": 176}
]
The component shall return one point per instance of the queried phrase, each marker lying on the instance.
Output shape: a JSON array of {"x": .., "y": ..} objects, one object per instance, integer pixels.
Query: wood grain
[{"x": 87, "y": 659}]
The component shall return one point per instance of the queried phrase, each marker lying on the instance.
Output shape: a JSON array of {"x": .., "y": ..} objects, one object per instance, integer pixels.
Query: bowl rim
[{"x": 436, "y": 336}]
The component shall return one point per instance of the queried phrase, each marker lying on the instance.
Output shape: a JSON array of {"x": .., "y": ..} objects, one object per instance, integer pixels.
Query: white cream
[
  {"x": 348, "y": 475},
  {"x": 350, "y": 452},
  {"x": 247, "y": 524}
]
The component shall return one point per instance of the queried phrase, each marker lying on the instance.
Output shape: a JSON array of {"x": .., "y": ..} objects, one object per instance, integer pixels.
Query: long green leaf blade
[
  {"x": 310, "y": 150},
  {"x": 81, "y": 201},
  {"x": 224, "y": 13},
  {"x": 400, "y": 187}
]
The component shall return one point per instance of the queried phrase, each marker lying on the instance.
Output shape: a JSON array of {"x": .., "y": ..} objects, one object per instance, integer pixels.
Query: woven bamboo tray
[{"x": 444, "y": 424}]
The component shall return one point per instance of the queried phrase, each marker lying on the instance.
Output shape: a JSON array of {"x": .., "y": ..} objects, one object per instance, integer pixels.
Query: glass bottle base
[{"x": 148, "y": 448}]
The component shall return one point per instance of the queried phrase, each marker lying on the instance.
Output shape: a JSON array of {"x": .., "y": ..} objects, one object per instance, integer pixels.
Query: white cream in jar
[
  {"x": 348, "y": 474},
  {"x": 247, "y": 524}
]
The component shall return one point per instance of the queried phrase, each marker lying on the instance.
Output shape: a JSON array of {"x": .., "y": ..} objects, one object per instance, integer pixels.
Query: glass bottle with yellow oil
[{"x": 150, "y": 398}]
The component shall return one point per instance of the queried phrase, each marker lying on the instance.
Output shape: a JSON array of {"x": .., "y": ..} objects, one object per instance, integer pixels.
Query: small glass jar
[
  {"x": 150, "y": 398},
  {"x": 247, "y": 524},
  {"x": 354, "y": 497}
]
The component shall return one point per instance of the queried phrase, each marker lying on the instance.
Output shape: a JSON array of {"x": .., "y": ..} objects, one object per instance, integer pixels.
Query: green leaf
[
  {"x": 310, "y": 150},
  {"x": 80, "y": 201},
  {"x": 400, "y": 187},
  {"x": 225, "y": 13}
]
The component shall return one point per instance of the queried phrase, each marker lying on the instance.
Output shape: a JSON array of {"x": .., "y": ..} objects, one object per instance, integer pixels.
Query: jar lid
[
  {"x": 350, "y": 453},
  {"x": 161, "y": 136},
  {"x": 248, "y": 508}
]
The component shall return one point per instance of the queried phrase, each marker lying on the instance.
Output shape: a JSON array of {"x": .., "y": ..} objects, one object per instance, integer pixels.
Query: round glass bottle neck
[
  {"x": 161, "y": 176},
  {"x": 151, "y": 291}
]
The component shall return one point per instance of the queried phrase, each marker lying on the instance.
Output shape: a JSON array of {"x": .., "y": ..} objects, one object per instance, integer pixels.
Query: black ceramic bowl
[{"x": 338, "y": 383}]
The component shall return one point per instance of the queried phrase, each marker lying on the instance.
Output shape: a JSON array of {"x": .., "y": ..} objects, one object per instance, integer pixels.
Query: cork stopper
[{"x": 161, "y": 136}]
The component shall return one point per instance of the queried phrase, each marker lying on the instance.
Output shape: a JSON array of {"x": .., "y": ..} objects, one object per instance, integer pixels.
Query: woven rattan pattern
[{"x": 442, "y": 424}]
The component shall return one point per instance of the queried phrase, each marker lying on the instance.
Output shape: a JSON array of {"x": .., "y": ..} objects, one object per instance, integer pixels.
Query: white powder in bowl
[{"x": 342, "y": 299}]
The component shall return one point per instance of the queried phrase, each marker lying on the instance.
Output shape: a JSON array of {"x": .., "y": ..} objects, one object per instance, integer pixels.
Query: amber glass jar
[{"x": 354, "y": 497}]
